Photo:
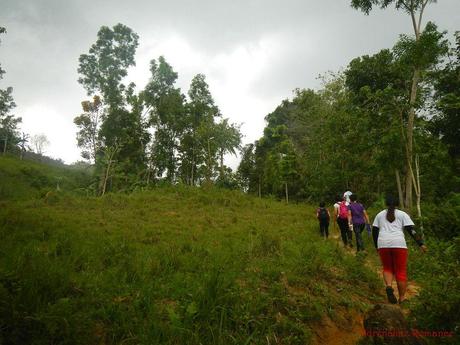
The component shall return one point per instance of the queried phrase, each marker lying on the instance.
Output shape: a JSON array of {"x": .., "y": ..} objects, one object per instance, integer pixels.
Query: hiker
[
  {"x": 357, "y": 220},
  {"x": 338, "y": 199},
  {"x": 342, "y": 222},
  {"x": 388, "y": 234},
  {"x": 323, "y": 215},
  {"x": 346, "y": 196}
]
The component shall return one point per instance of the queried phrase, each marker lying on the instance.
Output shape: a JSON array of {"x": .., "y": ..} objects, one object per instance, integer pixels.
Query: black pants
[
  {"x": 324, "y": 228},
  {"x": 358, "y": 229},
  {"x": 347, "y": 235}
]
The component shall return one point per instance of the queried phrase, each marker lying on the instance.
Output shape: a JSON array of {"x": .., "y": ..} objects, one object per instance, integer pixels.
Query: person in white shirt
[
  {"x": 388, "y": 234},
  {"x": 346, "y": 196},
  {"x": 341, "y": 217},
  {"x": 338, "y": 199}
]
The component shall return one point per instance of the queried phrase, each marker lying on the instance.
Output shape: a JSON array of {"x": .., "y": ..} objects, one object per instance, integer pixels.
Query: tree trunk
[
  {"x": 260, "y": 189},
  {"x": 6, "y": 143},
  {"x": 410, "y": 140},
  {"x": 221, "y": 165},
  {"x": 192, "y": 177},
  {"x": 418, "y": 192},
  {"x": 287, "y": 194},
  {"x": 400, "y": 192},
  {"x": 148, "y": 174},
  {"x": 104, "y": 184},
  {"x": 209, "y": 164}
]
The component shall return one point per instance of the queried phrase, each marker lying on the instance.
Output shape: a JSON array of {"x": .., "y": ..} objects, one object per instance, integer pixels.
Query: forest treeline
[
  {"x": 388, "y": 122},
  {"x": 352, "y": 133},
  {"x": 156, "y": 134}
]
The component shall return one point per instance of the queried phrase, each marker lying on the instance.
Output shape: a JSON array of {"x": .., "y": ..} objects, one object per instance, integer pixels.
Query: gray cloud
[{"x": 45, "y": 37}]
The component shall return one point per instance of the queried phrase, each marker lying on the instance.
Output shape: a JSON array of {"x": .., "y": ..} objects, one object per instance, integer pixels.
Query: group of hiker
[
  {"x": 349, "y": 215},
  {"x": 387, "y": 232}
]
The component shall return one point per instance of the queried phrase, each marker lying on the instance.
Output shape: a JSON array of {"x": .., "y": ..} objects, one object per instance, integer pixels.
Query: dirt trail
[{"x": 331, "y": 334}]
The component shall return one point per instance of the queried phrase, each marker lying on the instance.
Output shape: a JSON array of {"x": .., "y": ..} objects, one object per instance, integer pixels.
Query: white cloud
[
  {"x": 43, "y": 119},
  {"x": 232, "y": 76}
]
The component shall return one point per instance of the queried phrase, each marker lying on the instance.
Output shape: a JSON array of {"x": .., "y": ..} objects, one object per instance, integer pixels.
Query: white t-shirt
[
  {"x": 391, "y": 235},
  {"x": 336, "y": 208}
]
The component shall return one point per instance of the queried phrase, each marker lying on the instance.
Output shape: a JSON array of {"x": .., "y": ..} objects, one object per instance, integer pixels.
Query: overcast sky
[{"x": 253, "y": 52}]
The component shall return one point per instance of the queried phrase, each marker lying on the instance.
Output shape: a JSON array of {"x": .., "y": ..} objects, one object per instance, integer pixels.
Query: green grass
[{"x": 172, "y": 266}]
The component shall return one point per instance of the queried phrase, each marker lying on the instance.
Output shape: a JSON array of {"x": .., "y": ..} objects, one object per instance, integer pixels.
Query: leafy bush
[
  {"x": 437, "y": 306},
  {"x": 443, "y": 220}
]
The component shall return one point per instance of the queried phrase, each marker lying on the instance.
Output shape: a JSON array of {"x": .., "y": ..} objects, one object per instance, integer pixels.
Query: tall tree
[
  {"x": 9, "y": 136},
  {"x": 228, "y": 140},
  {"x": 104, "y": 67},
  {"x": 196, "y": 139},
  {"x": 40, "y": 142},
  {"x": 247, "y": 170},
  {"x": 89, "y": 124},
  {"x": 446, "y": 123},
  {"x": 165, "y": 104},
  {"x": 415, "y": 9},
  {"x": 101, "y": 72}
]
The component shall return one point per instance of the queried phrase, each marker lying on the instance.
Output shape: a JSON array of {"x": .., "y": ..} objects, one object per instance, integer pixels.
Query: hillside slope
[
  {"x": 25, "y": 179},
  {"x": 173, "y": 266}
]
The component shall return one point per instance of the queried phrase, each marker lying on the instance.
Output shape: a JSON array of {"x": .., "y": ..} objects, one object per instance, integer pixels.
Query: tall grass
[{"x": 173, "y": 265}]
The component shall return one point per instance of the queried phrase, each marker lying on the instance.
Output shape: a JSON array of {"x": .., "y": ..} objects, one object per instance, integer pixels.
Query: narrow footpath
[{"x": 330, "y": 333}]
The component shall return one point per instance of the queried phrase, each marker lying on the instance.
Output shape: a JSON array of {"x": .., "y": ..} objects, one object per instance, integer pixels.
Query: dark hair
[
  {"x": 339, "y": 197},
  {"x": 391, "y": 203},
  {"x": 322, "y": 204},
  {"x": 353, "y": 197}
]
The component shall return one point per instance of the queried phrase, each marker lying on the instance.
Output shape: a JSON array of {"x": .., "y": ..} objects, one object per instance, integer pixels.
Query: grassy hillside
[
  {"x": 172, "y": 266},
  {"x": 24, "y": 179}
]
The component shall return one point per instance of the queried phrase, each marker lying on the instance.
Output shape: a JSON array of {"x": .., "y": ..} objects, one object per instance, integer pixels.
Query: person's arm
[
  {"x": 366, "y": 217},
  {"x": 334, "y": 223},
  {"x": 375, "y": 235},
  {"x": 349, "y": 217},
  {"x": 415, "y": 236}
]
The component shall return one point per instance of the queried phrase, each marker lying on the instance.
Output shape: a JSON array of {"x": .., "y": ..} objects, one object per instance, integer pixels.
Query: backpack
[
  {"x": 322, "y": 214},
  {"x": 343, "y": 210}
]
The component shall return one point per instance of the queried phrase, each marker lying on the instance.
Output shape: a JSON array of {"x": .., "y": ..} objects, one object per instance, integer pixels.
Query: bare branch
[{"x": 421, "y": 14}]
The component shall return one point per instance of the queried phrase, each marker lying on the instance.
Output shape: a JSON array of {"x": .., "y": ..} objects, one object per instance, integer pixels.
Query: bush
[
  {"x": 443, "y": 220},
  {"x": 437, "y": 306}
]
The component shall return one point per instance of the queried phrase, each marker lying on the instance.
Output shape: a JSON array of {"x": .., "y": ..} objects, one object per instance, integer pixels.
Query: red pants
[{"x": 394, "y": 260}]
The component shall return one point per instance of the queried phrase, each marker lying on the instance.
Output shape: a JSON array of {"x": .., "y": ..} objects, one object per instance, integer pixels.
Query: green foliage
[
  {"x": 408, "y": 6},
  {"x": 422, "y": 52},
  {"x": 106, "y": 64},
  {"x": 9, "y": 136},
  {"x": 22, "y": 179},
  {"x": 352, "y": 134},
  {"x": 88, "y": 124},
  {"x": 443, "y": 220},
  {"x": 167, "y": 114},
  {"x": 197, "y": 147},
  {"x": 247, "y": 170},
  {"x": 126, "y": 130},
  {"x": 113, "y": 131},
  {"x": 436, "y": 308},
  {"x": 171, "y": 265},
  {"x": 121, "y": 130},
  {"x": 446, "y": 123}
]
